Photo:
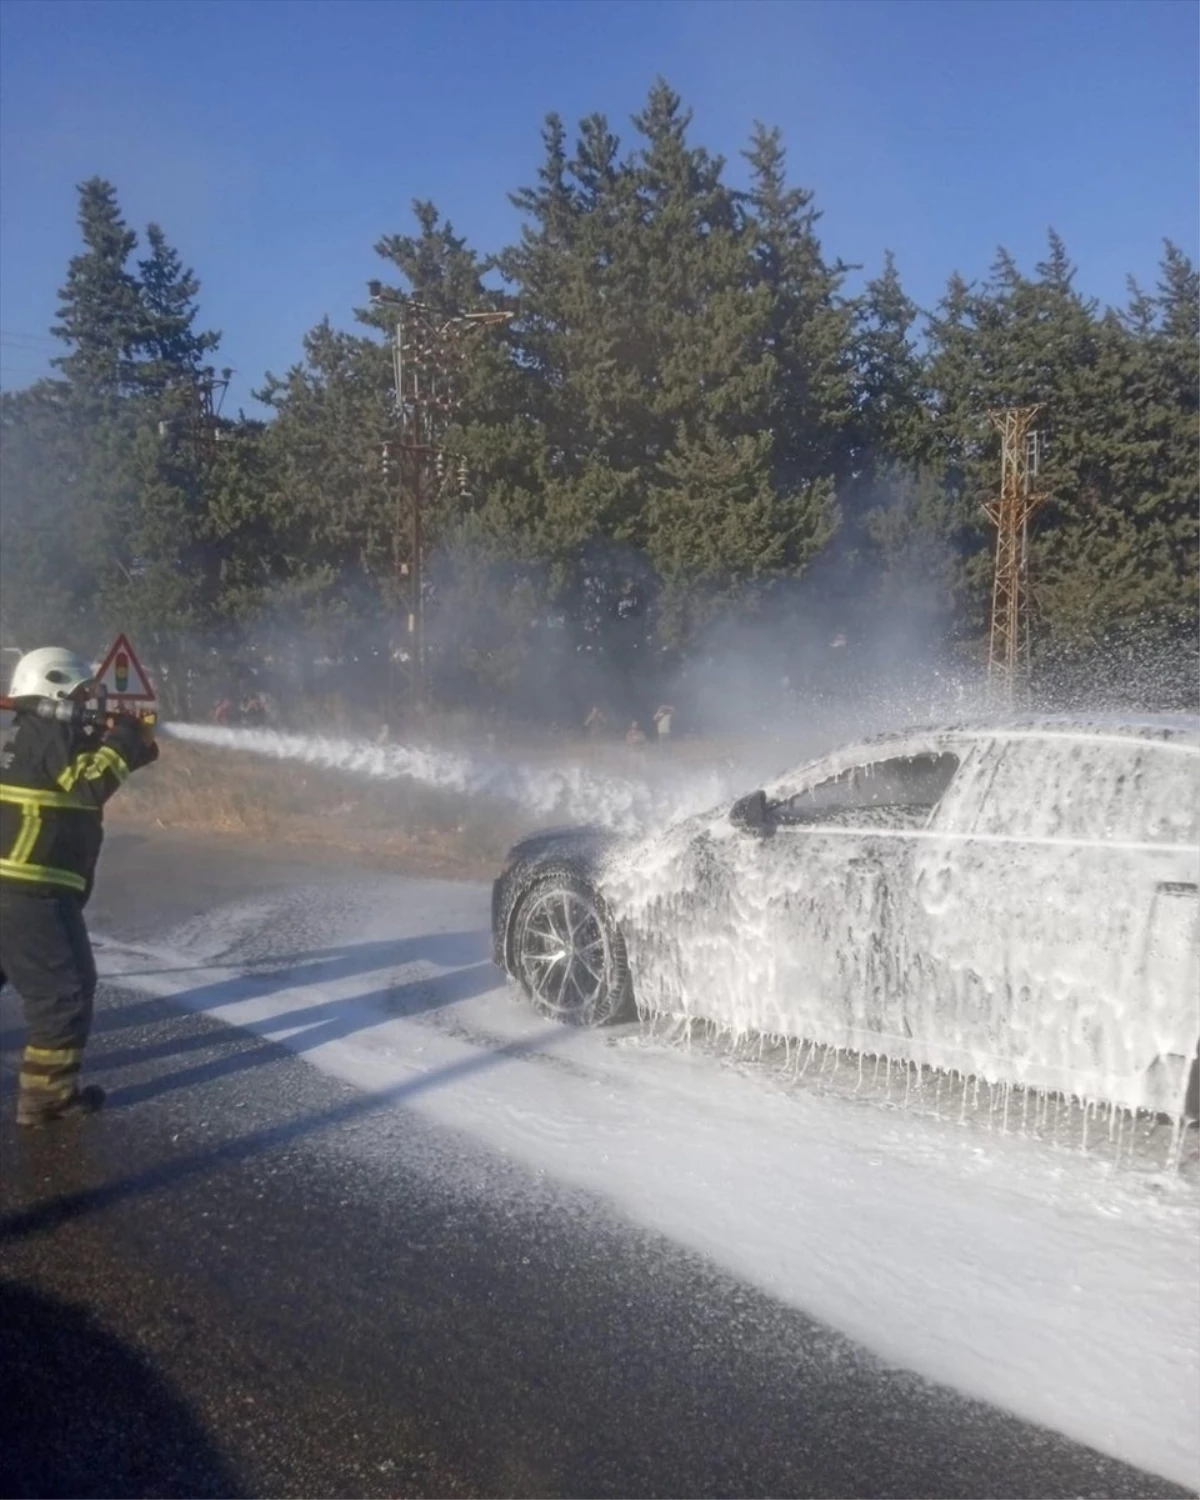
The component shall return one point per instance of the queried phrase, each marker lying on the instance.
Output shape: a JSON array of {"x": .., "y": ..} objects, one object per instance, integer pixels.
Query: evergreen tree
[
  {"x": 100, "y": 308},
  {"x": 442, "y": 271},
  {"x": 686, "y": 421},
  {"x": 49, "y": 543},
  {"x": 332, "y": 507},
  {"x": 891, "y": 396},
  {"x": 1177, "y": 360},
  {"x": 888, "y": 520},
  {"x": 168, "y": 344},
  {"x": 808, "y": 324},
  {"x": 1109, "y": 547}
]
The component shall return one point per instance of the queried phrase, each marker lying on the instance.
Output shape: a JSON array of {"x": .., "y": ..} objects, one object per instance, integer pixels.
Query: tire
[{"x": 568, "y": 955}]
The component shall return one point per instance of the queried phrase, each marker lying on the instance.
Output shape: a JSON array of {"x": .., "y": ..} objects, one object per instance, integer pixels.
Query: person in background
[
  {"x": 55, "y": 777},
  {"x": 254, "y": 711},
  {"x": 593, "y": 725},
  {"x": 635, "y": 734},
  {"x": 662, "y": 722}
]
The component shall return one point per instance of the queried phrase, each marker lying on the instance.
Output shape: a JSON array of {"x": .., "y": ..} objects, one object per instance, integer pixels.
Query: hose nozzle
[{"x": 78, "y": 715}]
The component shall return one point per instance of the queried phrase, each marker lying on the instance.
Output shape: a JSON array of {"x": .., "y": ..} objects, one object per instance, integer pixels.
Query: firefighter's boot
[{"x": 50, "y": 1091}]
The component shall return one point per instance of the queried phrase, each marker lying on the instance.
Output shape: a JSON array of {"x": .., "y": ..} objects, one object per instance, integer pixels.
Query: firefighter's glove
[{"x": 126, "y": 737}]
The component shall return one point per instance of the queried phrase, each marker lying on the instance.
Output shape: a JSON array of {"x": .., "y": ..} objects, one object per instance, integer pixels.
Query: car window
[
  {"x": 1059, "y": 787},
  {"x": 901, "y": 792}
]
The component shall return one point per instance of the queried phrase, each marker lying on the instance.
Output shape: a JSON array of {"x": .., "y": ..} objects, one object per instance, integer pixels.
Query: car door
[
  {"x": 831, "y": 881},
  {"x": 1038, "y": 918},
  {"x": 951, "y": 988}
]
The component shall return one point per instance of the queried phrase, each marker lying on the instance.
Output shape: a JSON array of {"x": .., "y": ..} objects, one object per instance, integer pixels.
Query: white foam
[
  {"x": 1038, "y": 932},
  {"x": 572, "y": 794},
  {"x": 1037, "y": 1281},
  {"x": 1042, "y": 930}
]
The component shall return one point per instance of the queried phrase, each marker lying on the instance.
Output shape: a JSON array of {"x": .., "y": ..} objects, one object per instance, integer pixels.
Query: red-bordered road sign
[{"x": 123, "y": 677}]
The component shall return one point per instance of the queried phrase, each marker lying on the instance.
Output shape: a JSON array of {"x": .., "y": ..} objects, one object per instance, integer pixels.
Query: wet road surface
[{"x": 247, "y": 1278}]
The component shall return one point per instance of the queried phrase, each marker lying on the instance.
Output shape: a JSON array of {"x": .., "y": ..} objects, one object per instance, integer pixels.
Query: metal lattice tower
[
  {"x": 198, "y": 396},
  {"x": 1010, "y": 513},
  {"x": 210, "y": 396},
  {"x": 430, "y": 350}
]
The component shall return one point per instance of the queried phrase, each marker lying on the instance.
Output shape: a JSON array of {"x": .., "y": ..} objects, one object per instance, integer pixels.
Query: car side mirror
[{"x": 750, "y": 813}]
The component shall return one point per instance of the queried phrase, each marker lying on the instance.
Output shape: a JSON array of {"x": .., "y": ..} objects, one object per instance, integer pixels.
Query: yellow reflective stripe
[
  {"x": 53, "y": 1054},
  {"x": 109, "y": 759},
  {"x": 42, "y": 875},
  {"x": 31, "y": 822},
  {"x": 33, "y": 801},
  {"x": 93, "y": 764},
  {"x": 49, "y": 1090},
  {"x": 72, "y": 773},
  {"x": 28, "y": 796}
]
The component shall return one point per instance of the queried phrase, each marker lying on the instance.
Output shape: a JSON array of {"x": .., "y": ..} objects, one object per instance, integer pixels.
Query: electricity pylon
[
  {"x": 1010, "y": 513},
  {"x": 429, "y": 352}
]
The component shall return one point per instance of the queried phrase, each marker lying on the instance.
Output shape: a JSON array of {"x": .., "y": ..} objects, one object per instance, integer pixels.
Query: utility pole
[
  {"x": 429, "y": 352},
  {"x": 202, "y": 393},
  {"x": 1010, "y": 514},
  {"x": 210, "y": 397}
]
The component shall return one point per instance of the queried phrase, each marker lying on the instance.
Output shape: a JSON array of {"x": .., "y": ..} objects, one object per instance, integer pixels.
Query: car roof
[
  {"x": 1179, "y": 730},
  {"x": 1167, "y": 726}
]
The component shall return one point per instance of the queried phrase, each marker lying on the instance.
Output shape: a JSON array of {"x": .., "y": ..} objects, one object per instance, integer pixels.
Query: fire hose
[{"x": 79, "y": 715}]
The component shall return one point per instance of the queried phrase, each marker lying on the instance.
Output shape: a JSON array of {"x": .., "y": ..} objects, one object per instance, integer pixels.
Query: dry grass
[
  {"x": 401, "y": 822},
  {"x": 220, "y": 791}
]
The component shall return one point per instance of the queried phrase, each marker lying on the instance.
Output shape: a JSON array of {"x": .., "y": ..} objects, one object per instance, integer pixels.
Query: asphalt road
[{"x": 248, "y": 1278}]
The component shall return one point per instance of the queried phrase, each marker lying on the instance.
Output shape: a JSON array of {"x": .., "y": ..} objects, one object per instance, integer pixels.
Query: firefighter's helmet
[{"x": 52, "y": 672}]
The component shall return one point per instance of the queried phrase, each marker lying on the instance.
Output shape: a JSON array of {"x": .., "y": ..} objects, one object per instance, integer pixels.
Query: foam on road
[{"x": 1040, "y": 1282}]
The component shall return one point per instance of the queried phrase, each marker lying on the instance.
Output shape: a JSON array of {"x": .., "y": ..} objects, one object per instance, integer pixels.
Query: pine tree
[
  {"x": 884, "y": 549},
  {"x": 892, "y": 399},
  {"x": 50, "y": 546},
  {"x": 100, "y": 310},
  {"x": 441, "y": 269},
  {"x": 1109, "y": 549},
  {"x": 684, "y": 416},
  {"x": 1177, "y": 358},
  {"x": 808, "y": 324},
  {"x": 330, "y": 506},
  {"x": 169, "y": 347},
  {"x": 1126, "y": 566},
  {"x": 742, "y": 472}
]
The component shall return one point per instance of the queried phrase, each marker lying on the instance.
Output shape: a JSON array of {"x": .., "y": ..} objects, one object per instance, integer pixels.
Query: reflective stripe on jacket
[{"x": 54, "y": 781}]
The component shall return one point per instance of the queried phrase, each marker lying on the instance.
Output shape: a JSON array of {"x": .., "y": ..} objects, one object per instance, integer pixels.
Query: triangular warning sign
[{"x": 122, "y": 676}]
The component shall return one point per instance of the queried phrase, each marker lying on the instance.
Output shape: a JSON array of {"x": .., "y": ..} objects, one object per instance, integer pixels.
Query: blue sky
[{"x": 277, "y": 141}]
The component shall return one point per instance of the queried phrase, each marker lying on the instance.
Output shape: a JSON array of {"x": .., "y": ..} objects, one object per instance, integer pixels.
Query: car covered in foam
[{"x": 1015, "y": 901}]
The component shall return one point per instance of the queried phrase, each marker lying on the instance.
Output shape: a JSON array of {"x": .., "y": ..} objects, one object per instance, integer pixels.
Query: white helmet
[{"x": 52, "y": 672}]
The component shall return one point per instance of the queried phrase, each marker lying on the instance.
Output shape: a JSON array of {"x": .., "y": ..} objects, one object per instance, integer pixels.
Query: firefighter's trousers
[{"x": 46, "y": 955}]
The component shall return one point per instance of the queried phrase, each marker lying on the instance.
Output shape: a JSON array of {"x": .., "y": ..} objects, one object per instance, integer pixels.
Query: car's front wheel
[{"x": 568, "y": 955}]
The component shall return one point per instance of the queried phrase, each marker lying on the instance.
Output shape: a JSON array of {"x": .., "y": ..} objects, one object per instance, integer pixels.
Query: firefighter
[{"x": 55, "y": 778}]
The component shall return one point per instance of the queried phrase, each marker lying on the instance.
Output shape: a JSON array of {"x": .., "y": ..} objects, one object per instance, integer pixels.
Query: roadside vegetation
[{"x": 697, "y": 422}]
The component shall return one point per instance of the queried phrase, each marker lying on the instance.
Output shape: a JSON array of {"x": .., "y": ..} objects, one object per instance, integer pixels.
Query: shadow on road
[
  {"x": 52, "y": 1212},
  {"x": 306, "y": 1028},
  {"x": 466, "y": 956},
  {"x": 629, "y": 1387},
  {"x": 84, "y": 1414},
  {"x": 321, "y": 965}
]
